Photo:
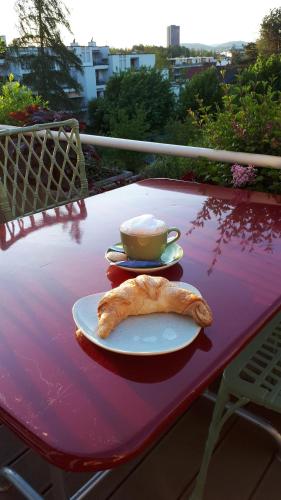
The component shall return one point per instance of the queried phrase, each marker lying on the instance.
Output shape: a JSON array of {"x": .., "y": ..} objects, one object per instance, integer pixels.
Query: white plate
[
  {"x": 172, "y": 255},
  {"x": 144, "y": 335}
]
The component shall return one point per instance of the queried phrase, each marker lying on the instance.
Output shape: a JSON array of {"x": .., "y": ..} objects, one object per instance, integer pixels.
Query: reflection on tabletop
[
  {"x": 256, "y": 226},
  {"x": 69, "y": 215},
  {"x": 144, "y": 369},
  {"x": 116, "y": 275}
]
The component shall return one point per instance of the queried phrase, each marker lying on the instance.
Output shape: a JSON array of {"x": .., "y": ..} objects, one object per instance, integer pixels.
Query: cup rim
[{"x": 144, "y": 235}]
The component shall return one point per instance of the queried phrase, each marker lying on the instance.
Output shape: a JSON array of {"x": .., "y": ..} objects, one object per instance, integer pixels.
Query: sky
[{"x": 124, "y": 23}]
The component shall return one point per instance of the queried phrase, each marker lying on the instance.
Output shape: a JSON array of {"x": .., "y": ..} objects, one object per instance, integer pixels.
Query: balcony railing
[
  {"x": 258, "y": 160},
  {"x": 100, "y": 62}
]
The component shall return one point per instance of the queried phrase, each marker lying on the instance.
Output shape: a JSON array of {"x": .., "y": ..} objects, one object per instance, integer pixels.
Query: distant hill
[{"x": 238, "y": 44}]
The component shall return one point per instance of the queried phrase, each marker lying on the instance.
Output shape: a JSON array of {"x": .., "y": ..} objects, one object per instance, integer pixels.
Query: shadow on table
[{"x": 144, "y": 369}]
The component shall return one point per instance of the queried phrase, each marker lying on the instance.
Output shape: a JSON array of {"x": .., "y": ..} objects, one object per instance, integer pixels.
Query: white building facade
[
  {"x": 95, "y": 65},
  {"x": 125, "y": 62},
  {"x": 98, "y": 66}
]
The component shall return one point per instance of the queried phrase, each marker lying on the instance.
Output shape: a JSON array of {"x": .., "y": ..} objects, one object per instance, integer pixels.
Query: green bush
[
  {"x": 266, "y": 69},
  {"x": 250, "y": 122},
  {"x": 129, "y": 91},
  {"x": 126, "y": 127},
  {"x": 182, "y": 133},
  {"x": 166, "y": 166},
  {"x": 203, "y": 88},
  {"x": 15, "y": 97}
]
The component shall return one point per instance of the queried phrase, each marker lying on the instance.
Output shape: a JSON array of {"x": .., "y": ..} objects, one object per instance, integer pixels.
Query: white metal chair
[{"x": 40, "y": 169}]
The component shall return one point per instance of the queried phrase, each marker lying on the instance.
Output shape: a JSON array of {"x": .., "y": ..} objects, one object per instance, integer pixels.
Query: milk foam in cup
[
  {"x": 143, "y": 225},
  {"x": 145, "y": 237}
]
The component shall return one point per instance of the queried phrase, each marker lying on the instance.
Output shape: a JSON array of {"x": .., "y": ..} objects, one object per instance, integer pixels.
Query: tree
[
  {"x": 251, "y": 53},
  {"x": 97, "y": 122},
  {"x": 133, "y": 90},
  {"x": 126, "y": 127},
  {"x": 49, "y": 60},
  {"x": 4, "y": 62},
  {"x": 180, "y": 132},
  {"x": 237, "y": 58},
  {"x": 266, "y": 70},
  {"x": 2, "y": 48},
  {"x": 203, "y": 89},
  {"x": 134, "y": 127},
  {"x": 270, "y": 33}
]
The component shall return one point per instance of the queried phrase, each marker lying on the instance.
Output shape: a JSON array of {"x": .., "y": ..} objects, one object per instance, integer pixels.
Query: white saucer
[{"x": 150, "y": 334}]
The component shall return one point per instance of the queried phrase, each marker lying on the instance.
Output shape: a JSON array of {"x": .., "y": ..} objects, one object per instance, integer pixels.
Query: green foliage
[
  {"x": 241, "y": 59},
  {"x": 49, "y": 61},
  {"x": 4, "y": 62},
  {"x": 204, "y": 88},
  {"x": 2, "y": 48},
  {"x": 270, "y": 33},
  {"x": 250, "y": 122},
  {"x": 245, "y": 116},
  {"x": 166, "y": 166},
  {"x": 265, "y": 70},
  {"x": 183, "y": 133},
  {"x": 15, "y": 97},
  {"x": 250, "y": 53},
  {"x": 126, "y": 127},
  {"x": 210, "y": 172},
  {"x": 268, "y": 179},
  {"x": 129, "y": 127},
  {"x": 97, "y": 120},
  {"x": 133, "y": 90},
  {"x": 144, "y": 88}
]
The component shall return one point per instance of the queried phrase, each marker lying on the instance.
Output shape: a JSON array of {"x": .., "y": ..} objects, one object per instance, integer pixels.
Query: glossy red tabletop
[{"x": 85, "y": 408}]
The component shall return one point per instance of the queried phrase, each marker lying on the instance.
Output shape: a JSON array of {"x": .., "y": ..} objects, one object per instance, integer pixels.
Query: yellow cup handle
[{"x": 173, "y": 238}]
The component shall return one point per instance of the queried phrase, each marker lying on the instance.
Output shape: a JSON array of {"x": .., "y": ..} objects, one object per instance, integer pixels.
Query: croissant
[{"x": 147, "y": 294}]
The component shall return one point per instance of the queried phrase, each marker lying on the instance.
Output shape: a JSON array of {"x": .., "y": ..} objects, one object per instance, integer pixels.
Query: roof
[
  {"x": 190, "y": 72},
  {"x": 133, "y": 54}
]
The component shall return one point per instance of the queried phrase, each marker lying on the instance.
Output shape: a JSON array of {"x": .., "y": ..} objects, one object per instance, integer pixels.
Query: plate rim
[
  {"x": 145, "y": 269},
  {"x": 95, "y": 340}
]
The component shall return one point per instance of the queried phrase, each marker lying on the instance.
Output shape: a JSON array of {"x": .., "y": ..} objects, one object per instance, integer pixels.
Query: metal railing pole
[{"x": 258, "y": 160}]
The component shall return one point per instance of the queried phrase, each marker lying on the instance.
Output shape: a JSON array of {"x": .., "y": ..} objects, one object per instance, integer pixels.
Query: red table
[{"x": 84, "y": 408}]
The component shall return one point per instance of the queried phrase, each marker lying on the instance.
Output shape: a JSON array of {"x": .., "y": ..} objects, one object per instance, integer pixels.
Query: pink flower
[{"x": 242, "y": 175}]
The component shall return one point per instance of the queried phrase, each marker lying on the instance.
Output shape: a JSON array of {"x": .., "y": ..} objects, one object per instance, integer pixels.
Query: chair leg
[
  {"x": 218, "y": 420},
  {"x": 10, "y": 477}
]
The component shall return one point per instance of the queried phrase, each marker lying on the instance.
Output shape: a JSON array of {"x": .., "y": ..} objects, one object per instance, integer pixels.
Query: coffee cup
[{"x": 146, "y": 238}]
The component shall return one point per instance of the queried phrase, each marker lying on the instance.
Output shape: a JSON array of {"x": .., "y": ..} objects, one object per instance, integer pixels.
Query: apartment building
[
  {"x": 95, "y": 64},
  {"x": 183, "y": 69},
  {"x": 185, "y": 66},
  {"x": 124, "y": 62},
  {"x": 173, "y": 35},
  {"x": 98, "y": 66}
]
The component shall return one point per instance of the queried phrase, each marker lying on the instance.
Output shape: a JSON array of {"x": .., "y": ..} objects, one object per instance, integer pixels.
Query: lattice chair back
[{"x": 39, "y": 169}]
